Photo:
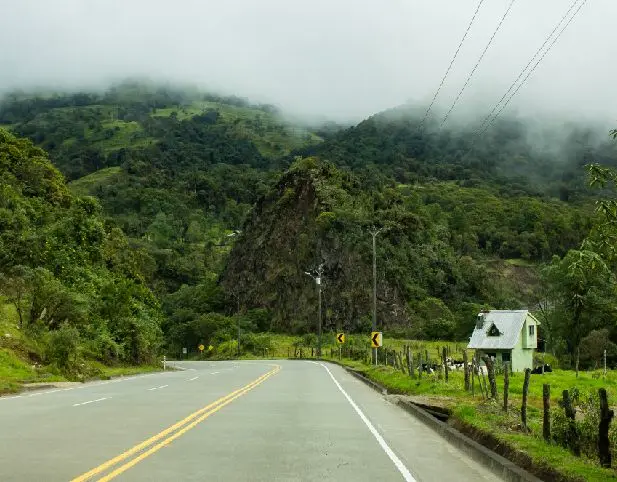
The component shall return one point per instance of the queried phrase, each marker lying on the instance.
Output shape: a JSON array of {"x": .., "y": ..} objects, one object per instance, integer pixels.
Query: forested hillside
[
  {"x": 214, "y": 208},
  {"x": 73, "y": 281}
]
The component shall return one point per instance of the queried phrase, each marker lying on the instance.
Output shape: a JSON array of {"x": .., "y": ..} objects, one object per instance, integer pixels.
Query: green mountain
[{"x": 222, "y": 206}]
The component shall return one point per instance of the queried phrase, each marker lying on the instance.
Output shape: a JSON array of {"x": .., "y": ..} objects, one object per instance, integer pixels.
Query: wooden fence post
[
  {"x": 506, "y": 387},
  {"x": 524, "y": 404},
  {"x": 445, "y": 363},
  {"x": 606, "y": 415},
  {"x": 546, "y": 421},
  {"x": 573, "y": 439},
  {"x": 410, "y": 363},
  {"x": 420, "y": 366},
  {"x": 466, "y": 370},
  {"x": 483, "y": 382},
  {"x": 473, "y": 377},
  {"x": 490, "y": 371}
]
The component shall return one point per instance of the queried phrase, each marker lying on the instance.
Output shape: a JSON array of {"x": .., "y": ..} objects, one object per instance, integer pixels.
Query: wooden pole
[
  {"x": 572, "y": 437},
  {"x": 420, "y": 367},
  {"x": 466, "y": 370},
  {"x": 410, "y": 363},
  {"x": 483, "y": 383},
  {"x": 524, "y": 404},
  {"x": 606, "y": 415},
  {"x": 473, "y": 377},
  {"x": 546, "y": 421},
  {"x": 506, "y": 387},
  {"x": 445, "y": 363},
  {"x": 490, "y": 371}
]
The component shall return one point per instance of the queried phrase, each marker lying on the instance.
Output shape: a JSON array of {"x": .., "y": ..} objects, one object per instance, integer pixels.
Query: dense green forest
[{"x": 189, "y": 214}]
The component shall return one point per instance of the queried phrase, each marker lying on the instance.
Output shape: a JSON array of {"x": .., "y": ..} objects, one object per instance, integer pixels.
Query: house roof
[{"x": 509, "y": 324}]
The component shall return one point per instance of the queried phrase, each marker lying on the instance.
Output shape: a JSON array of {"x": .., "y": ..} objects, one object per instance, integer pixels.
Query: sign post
[
  {"x": 184, "y": 351},
  {"x": 201, "y": 349},
  {"x": 376, "y": 342},
  {"x": 340, "y": 339}
]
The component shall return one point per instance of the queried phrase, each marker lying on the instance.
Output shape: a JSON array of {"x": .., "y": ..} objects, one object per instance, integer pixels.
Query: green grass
[
  {"x": 124, "y": 370},
  {"x": 16, "y": 350},
  {"x": 86, "y": 186}
]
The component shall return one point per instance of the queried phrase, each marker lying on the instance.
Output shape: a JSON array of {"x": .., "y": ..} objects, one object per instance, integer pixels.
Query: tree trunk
[
  {"x": 546, "y": 421},
  {"x": 606, "y": 415},
  {"x": 578, "y": 357},
  {"x": 572, "y": 437},
  {"x": 524, "y": 404}
]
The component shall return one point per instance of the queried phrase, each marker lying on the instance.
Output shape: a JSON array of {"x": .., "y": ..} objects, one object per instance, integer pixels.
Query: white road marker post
[{"x": 164, "y": 363}]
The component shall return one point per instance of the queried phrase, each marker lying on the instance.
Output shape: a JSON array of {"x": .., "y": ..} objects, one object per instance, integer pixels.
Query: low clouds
[{"x": 341, "y": 59}]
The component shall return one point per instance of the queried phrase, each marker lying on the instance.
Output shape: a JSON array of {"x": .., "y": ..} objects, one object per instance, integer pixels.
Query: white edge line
[
  {"x": 163, "y": 386},
  {"x": 389, "y": 452},
  {"x": 91, "y": 401},
  {"x": 191, "y": 379}
]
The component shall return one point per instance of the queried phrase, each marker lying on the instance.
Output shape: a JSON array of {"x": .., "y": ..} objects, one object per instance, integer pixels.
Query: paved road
[{"x": 223, "y": 421}]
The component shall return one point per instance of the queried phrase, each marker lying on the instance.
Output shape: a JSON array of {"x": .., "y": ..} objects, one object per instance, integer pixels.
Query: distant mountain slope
[
  {"x": 85, "y": 132},
  {"x": 524, "y": 155}
]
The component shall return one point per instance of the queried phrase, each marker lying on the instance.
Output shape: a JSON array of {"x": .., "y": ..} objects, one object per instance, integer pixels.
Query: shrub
[{"x": 63, "y": 348}]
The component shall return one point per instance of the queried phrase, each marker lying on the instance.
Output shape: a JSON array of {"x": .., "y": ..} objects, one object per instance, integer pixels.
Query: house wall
[
  {"x": 530, "y": 341},
  {"x": 521, "y": 357}
]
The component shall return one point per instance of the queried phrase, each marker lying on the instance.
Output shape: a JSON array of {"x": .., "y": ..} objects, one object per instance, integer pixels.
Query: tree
[
  {"x": 582, "y": 289},
  {"x": 15, "y": 286}
]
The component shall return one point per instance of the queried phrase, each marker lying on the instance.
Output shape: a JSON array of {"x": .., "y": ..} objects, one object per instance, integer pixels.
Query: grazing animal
[{"x": 538, "y": 370}]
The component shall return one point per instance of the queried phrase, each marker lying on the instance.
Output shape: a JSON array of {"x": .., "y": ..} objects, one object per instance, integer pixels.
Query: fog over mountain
[{"x": 338, "y": 59}]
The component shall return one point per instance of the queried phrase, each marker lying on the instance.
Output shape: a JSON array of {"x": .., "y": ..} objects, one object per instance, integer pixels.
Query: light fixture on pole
[{"x": 317, "y": 279}]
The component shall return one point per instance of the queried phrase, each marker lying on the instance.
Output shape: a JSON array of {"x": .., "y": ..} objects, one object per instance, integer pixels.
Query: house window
[
  {"x": 532, "y": 330},
  {"x": 493, "y": 331},
  {"x": 505, "y": 356}
]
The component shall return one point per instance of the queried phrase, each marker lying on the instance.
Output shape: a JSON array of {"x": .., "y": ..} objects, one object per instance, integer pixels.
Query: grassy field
[{"x": 86, "y": 186}]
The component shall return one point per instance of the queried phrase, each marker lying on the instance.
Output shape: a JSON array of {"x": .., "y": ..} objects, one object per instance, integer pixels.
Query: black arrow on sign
[
  {"x": 339, "y": 337},
  {"x": 375, "y": 336}
]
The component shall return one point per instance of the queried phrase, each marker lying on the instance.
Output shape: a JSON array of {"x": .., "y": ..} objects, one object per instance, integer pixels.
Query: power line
[
  {"x": 534, "y": 67},
  {"x": 477, "y": 64},
  {"x": 496, "y": 106},
  {"x": 443, "y": 80}
]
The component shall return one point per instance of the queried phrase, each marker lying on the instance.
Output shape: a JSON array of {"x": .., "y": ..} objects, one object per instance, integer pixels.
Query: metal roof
[{"x": 509, "y": 324}]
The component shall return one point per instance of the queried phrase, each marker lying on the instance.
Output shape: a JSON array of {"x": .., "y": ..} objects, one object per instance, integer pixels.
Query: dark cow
[{"x": 538, "y": 370}]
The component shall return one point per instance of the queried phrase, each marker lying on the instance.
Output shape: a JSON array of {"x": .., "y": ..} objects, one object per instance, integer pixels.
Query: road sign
[
  {"x": 210, "y": 348},
  {"x": 376, "y": 339},
  {"x": 184, "y": 351},
  {"x": 201, "y": 347},
  {"x": 340, "y": 338}
]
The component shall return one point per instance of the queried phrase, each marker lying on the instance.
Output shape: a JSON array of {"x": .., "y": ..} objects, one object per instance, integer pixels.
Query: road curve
[{"x": 247, "y": 420}]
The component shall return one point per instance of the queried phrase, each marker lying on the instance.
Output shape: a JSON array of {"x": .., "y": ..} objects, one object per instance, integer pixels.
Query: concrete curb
[{"x": 499, "y": 465}]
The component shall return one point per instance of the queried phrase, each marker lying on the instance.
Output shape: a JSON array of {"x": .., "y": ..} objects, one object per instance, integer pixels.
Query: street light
[
  {"x": 318, "y": 282},
  {"x": 374, "y": 233}
]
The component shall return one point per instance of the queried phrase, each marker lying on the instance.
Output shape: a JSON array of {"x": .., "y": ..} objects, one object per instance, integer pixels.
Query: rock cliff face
[{"x": 312, "y": 216}]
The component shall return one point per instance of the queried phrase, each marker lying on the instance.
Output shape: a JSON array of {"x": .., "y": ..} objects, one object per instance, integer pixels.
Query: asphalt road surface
[{"x": 224, "y": 421}]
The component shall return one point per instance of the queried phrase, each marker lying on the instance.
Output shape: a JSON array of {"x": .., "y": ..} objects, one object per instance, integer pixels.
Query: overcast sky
[{"x": 343, "y": 59}]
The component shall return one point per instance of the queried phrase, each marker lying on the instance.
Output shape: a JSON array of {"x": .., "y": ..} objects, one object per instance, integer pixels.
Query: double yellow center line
[{"x": 165, "y": 437}]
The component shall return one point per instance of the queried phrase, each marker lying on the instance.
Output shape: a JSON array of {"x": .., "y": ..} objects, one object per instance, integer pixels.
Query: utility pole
[
  {"x": 374, "y": 233},
  {"x": 318, "y": 282}
]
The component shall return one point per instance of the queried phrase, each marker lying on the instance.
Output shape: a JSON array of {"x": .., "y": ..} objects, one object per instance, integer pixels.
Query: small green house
[{"x": 507, "y": 336}]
